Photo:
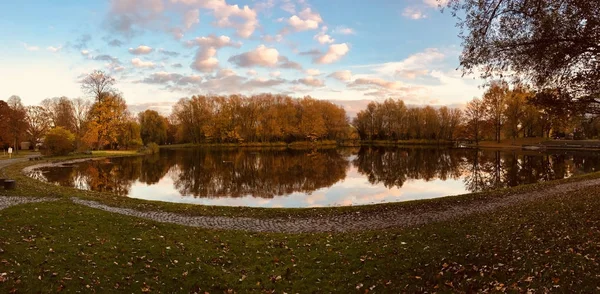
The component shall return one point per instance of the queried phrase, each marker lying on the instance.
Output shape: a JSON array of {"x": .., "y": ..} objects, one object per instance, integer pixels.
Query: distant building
[{"x": 25, "y": 145}]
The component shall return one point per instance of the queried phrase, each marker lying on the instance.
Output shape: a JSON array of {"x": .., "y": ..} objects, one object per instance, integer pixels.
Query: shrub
[
  {"x": 151, "y": 148},
  {"x": 58, "y": 141}
]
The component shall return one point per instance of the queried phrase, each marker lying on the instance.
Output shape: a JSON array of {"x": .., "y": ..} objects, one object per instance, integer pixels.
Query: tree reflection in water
[{"x": 266, "y": 174}]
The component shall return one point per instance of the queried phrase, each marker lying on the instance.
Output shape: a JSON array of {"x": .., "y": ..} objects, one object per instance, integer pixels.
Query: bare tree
[
  {"x": 38, "y": 123},
  {"x": 474, "y": 114},
  {"x": 97, "y": 84}
]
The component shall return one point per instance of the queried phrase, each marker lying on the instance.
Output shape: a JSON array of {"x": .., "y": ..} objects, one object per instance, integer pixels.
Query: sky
[{"x": 347, "y": 51}]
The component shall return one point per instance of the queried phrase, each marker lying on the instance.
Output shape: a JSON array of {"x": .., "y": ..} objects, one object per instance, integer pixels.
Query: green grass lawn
[{"x": 546, "y": 245}]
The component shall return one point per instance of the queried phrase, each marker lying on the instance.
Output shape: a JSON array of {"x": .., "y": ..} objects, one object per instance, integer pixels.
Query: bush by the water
[
  {"x": 58, "y": 141},
  {"x": 151, "y": 148}
]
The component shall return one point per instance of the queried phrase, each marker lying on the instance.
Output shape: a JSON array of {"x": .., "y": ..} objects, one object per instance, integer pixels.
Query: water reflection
[{"x": 288, "y": 177}]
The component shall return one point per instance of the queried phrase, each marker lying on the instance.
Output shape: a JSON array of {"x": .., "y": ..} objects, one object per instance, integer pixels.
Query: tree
[
  {"x": 17, "y": 123},
  {"x": 494, "y": 103},
  {"x": 515, "y": 110},
  {"x": 551, "y": 43},
  {"x": 129, "y": 135},
  {"x": 153, "y": 127},
  {"x": 59, "y": 141},
  {"x": 38, "y": 123},
  {"x": 61, "y": 112},
  {"x": 106, "y": 119},
  {"x": 475, "y": 114},
  {"x": 98, "y": 84}
]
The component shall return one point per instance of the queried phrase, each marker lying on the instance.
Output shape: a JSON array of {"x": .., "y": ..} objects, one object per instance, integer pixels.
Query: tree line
[{"x": 104, "y": 122}]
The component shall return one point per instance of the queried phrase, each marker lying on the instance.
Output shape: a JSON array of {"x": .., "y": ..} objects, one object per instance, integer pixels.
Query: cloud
[
  {"x": 284, "y": 62},
  {"x": 275, "y": 74},
  {"x": 436, "y": 3},
  {"x": 252, "y": 72},
  {"x": 342, "y": 75},
  {"x": 115, "y": 43},
  {"x": 413, "y": 66},
  {"x": 343, "y": 30},
  {"x": 335, "y": 53},
  {"x": 205, "y": 59},
  {"x": 54, "y": 49},
  {"x": 413, "y": 13},
  {"x": 168, "y": 53},
  {"x": 177, "y": 65},
  {"x": 105, "y": 57},
  {"x": 306, "y": 20},
  {"x": 324, "y": 38},
  {"x": 85, "y": 52},
  {"x": 313, "y": 53},
  {"x": 313, "y": 72},
  {"x": 171, "y": 78},
  {"x": 82, "y": 41},
  {"x": 141, "y": 50},
  {"x": 31, "y": 48},
  {"x": 243, "y": 19},
  {"x": 125, "y": 16},
  {"x": 213, "y": 41},
  {"x": 311, "y": 82},
  {"x": 288, "y": 6},
  {"x": 261, "y": 56},
  {"x": 191, "y": 18},
  {"x": 142, "y": 64},
  {"x": 373, "y": 81}
]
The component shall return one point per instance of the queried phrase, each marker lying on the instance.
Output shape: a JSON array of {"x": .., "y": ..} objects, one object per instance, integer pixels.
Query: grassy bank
[{"x": 541, "y": 246}]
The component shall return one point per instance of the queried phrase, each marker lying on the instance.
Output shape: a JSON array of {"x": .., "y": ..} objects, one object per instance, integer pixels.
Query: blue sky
[{"x": 161, "y": 50}]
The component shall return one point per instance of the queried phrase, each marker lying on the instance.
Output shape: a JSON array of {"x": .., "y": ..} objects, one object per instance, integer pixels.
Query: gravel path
[
  {"x": 397, "y": 218},
  {"x": 6, "y": 201}
]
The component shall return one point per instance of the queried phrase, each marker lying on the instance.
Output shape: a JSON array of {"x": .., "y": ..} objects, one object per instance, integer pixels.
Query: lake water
[{"x": 313, "y": 178}]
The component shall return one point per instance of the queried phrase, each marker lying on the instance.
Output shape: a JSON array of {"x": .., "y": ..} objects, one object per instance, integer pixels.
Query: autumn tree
[
  {"x": 153, "y": 127},
  {"x": 515, "y": 110},
  {"x": 494, "y": 104},
  {"x": 550, "y": 44},
  {"x": 17, "y": 121},
  {"x": 106, "y": 118},
  {"x": 60, "y": 111},
  {"x": 474, "y": 116}
]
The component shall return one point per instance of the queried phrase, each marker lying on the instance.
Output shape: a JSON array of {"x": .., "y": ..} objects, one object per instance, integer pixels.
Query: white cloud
[
  {"x": 413, "y": 13},
  {"x": 435, "y": 3},
  {"x": 342, "y": 75},
  {"x": 306, "y": 20},
  {"x": 251, "y": 72},
  {"x": 413, "y": 66},
  {"x": 191, "y": 18},
  {"x": 261, "y": 56},
  {"x": 205, "y": 60},
  {"x": 213, "y": 41},
  {"x": 335, "y": 53},
  {"x": 374, "y": 81},
  {"x": 313, "y": 72},
  {"x": 54, "y": 49},
  {"x": 142, "y": 64},
  {"x": 324, "y": 38},
  {"x": 275, "y": 74},
  {"x": 311, "y": 82},
  {"x": 140, "y": 50},
  {"x": 288, "y": 6},
  {"x": 343, "y": 30},
  {"x": 31, "y": 48},
  {"x": 85, "y": 52}
]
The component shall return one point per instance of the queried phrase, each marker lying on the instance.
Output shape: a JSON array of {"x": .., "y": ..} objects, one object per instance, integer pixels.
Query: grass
[
  {"x": 21, "y": 154},
  {"x": 546, "y": 245},
  {"x": 541, "y": 246}
]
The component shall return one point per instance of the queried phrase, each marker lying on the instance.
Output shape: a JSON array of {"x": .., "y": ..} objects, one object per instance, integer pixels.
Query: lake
[{"x": 315, "y": 178}]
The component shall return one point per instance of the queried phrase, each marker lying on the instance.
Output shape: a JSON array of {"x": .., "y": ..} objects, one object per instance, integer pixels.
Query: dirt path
[{"x": 395, "y": 218}]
